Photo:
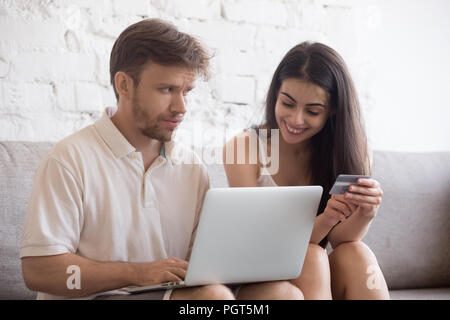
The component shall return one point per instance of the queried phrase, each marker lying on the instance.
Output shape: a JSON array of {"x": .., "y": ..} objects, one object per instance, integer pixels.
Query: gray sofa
[{"x": 410, "y": 235}]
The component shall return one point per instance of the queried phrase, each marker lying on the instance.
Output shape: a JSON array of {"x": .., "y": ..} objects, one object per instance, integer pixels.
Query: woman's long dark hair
[{"x": 341, "y": 146}]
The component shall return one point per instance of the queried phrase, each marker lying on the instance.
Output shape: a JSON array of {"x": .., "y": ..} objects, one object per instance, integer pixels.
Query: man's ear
[{"x": 124, "y": 84}]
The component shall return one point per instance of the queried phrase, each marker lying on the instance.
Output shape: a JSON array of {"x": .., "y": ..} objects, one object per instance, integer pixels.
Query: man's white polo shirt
[{"x": 92, "y": 197}]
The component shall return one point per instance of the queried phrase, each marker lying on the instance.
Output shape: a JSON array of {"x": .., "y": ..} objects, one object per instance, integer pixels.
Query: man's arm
[{"x": 49, "y": 274}]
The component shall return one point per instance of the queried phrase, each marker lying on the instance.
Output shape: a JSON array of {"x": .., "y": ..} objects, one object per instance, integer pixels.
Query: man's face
[{"x": 158, "y": 102}]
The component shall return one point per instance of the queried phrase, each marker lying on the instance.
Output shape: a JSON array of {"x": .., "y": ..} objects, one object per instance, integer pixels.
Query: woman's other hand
[
  {"x": 337, "y": 210},
  {"x": 366, "y": 196}
]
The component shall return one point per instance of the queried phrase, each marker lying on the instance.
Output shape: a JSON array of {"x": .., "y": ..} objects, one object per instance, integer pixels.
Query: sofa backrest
[
  {"x": 410, "y": 235},
  {"x": 18, "y": 162}
]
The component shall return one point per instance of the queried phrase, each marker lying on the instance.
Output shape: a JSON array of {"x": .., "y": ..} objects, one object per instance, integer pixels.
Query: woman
[{"x": 313, "y": 103}]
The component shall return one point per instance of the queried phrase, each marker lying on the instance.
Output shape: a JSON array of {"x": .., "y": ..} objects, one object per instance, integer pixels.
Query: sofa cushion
[
  {"x": 18, "y": 162},
  {"x": 411, "y": 234},
  {"x": 421, "y": 294}
]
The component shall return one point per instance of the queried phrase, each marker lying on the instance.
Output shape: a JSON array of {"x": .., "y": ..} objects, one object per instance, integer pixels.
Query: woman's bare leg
[
  {"x": 314, "y": 280},
  {"x": 355, "y": 273},
  {"x": 210, "y": 292},
  {"x": 274, "y": 290}
]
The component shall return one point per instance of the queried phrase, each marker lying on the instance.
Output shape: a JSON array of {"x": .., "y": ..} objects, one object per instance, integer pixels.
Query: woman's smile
[{"x": 293, "y": 130}]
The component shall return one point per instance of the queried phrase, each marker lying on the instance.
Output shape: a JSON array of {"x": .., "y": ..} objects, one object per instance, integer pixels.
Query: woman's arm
[
  {"x": 352, "y": 229},
  {"x": 357, "y": 225},
  {"x": 335, "y": 211},
  {"x": 320, "y": 229},
  {"x": 240, "y": 175},
  {"x": 365, "y": 200}
]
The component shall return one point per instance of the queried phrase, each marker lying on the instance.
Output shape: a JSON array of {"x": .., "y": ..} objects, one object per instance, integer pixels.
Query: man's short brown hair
[{"x": 158, "y": 41}]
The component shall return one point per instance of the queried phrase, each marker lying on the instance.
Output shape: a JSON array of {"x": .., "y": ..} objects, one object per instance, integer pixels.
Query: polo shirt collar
[
  {"x": 115, "y": 140},
  {"x": 162, "y": 152},
  {"x": 166, "y": 150}
]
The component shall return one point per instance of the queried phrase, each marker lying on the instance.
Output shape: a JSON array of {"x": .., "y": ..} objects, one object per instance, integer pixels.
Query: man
[{"x": 117, "y": 204}]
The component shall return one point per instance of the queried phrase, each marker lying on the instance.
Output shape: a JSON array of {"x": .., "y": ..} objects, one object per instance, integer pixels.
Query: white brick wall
[
  {"x": 54, "y": 56},
  {"x": 259, "y": 12}
]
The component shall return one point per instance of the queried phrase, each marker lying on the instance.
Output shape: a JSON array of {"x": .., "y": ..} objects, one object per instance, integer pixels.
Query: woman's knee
[
  {"x": 285, "y": 290},
  {"x": 209, "y": 292},
  {"x": 355, "y": 273},
  {"x": 316, "y": 253},
  {"x": 316, "y": 261},
  {"x": 273, "y": 290},
  {"x": 352, "y": 252},
  {"x": 315, "y": 267},
  {"x": 314, "y": 280},
  {"x": 217, "y": 292}
]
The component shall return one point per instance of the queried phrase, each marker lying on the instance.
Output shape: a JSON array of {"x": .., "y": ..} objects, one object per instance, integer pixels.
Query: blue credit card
[{"x": 344, "y": 181}]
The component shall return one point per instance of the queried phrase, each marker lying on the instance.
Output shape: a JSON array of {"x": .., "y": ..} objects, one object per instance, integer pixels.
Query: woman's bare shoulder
[{"x": 241, "y": 160}]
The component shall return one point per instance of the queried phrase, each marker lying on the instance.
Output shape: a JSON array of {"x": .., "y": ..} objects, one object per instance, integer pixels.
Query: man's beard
[{"x": 152, "y": 131}]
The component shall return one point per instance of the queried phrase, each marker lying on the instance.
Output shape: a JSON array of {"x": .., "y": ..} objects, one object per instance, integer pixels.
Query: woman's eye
[
  {"x": 313, "y": 113},
  {"x": 287, "y": 105}
]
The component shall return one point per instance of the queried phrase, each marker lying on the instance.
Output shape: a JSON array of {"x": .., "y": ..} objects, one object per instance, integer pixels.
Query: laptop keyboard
[{"x": 176, "y": 283}]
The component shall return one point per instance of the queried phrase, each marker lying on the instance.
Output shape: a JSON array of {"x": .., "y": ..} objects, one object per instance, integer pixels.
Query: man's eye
[{"x": 166, "y": 90}]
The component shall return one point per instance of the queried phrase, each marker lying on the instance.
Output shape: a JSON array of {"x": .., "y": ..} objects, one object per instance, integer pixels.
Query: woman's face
[{"x": 301, "y": 110}]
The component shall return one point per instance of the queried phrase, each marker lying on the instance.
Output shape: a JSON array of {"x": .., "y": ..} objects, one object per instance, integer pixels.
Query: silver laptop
[{"x": 249, "y": 235}]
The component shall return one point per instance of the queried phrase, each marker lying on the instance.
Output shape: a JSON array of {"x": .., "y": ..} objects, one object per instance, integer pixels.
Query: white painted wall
[
  {"x": 54, "y": 61},
  {"x": 410, "y": 64}
]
